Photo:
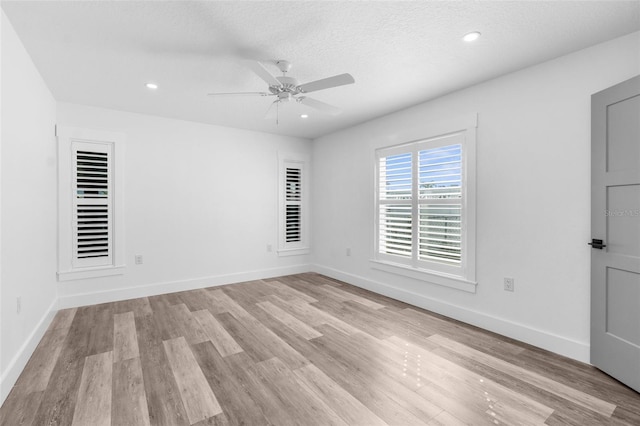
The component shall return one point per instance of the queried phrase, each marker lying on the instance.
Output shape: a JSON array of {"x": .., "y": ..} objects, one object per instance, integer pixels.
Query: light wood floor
[{"x": 302, "y": 349}]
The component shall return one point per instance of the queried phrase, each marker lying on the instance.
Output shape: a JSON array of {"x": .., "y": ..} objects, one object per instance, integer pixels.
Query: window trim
[
  {"x": 65, "y": 138},
  {"x": 302, "y": 247},
  {"x": 463, "y": 278}
]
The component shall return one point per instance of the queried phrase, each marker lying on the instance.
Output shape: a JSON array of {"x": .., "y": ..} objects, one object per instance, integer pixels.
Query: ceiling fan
[{"x": 287, "y": 89}]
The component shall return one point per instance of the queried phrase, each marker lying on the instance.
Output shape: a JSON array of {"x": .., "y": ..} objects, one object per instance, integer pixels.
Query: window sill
[
  {"x": 433, "y": 277},
  {"x": 293, "y": 252},
  {"x": 84, "y": 273}
]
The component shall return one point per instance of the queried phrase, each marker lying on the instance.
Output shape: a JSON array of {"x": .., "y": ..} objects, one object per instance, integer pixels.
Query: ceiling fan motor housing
[
  {"x": 285, "y": 97},
  {"x": 287, "y": 85}
]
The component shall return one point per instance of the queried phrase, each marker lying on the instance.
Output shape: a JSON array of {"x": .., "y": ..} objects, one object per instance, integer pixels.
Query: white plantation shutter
[
  {"x": 420, "y": 204},
  {"x": 293, "y": 204},
  {"x": 293, "y": 209},
  {"x": 440, "y": 204},
  {"x": 395, "y": 205},
  {"x": 92, "y": 211}
]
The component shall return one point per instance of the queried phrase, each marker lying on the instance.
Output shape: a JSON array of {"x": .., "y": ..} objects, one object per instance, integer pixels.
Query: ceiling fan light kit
[{"x": 287, "y": 89}]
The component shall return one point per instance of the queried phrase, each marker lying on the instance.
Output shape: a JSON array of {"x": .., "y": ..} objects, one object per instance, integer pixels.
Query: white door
[{"x": 615, "y": 227}]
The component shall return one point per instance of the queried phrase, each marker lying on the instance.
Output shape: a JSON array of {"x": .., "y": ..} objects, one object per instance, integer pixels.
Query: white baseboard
[
  {"x": 522, "y": 332},
  {"x": 19, "y": 361},
  {"x": 84, "y": 299}
]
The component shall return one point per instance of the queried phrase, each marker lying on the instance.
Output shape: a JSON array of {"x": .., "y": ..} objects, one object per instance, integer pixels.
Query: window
[
  {"x": 425, "y": 208},
  {"x": 293, "y": 208},
  {"x": 90, "y": 204},
  {"x": 293, "y": 203}
]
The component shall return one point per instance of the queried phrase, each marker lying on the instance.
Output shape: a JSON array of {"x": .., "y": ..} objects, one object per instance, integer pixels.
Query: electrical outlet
[
  {"x": 348, "y": 251},
  {"x": 508, "y": 284},
  {"x": 269, "y": 248},
  {"x": 18, "y": 304},
  {"x": 139, "y": 259}
]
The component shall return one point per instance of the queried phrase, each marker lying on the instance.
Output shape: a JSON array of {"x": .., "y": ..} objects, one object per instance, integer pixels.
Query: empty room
[{"x": 320, "y": 213}]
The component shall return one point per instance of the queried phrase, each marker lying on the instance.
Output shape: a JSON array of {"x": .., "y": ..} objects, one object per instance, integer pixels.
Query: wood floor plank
[
  {"x": 219, "y": 420},
  {"x": 93, "y": 407},
  {"x": 253, "y": 346},
  {"x": 129, "y": 399},
  {"x": 59, "y": 400},
  {"x": 101, "y": 338},
  {"x": 288, "y": 292},
  {"x": 161, "y": 302},
  {"x": 478, "y": 389},
  {"x": 197, "y": 300},
  {"x": 264, "y": 396},
  {"x": 352, "y": 411},
  {"x": 569, "y": 412},
  {"x": 571, "y": 372},
  {"x": 342, "y": 295},
  {"x": 469, "y": 335},
  {"x": 163, "y": 398},
  {"x": 227, "y": 383},
  {"x": 199, "y": 401},
  {"x": 125, "y": 339},
  {"x": 187, "y": 324},
  {"x": 20, "y": 409},
  {"x": 570, "y": 394},
  {"x": 303, "y": 285},
  {"x": 41, "y": 364},
  {"x": 265, "y": 343},
  {"x": 249, "y": 293},
  {"x": 227, "y": 303},
  {"x": 312, "y": 315},
  {"x": 140, "y": 307},
  {"x": 375, "y": 374},
  {"x": 347, "y": 314},
  {"x": 446, "y": 419},
  {"x": 290, "y": 321},
  {"x": 301, "y": 403},
  {"x": 221, "y": 339},
  {"x": 300, "y": 309},
  {"x": 63, "y": 318}
]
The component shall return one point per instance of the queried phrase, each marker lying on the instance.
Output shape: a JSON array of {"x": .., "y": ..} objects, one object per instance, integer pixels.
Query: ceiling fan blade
[
  {"x": 241, "y": 94},
  {"x": 326, "y": 83},
  {"x": 320, "y": 106},
  {"x": 262, "y": 72}
]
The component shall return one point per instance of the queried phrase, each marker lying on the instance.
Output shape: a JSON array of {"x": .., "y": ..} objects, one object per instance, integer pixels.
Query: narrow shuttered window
[
  {"x": 293, "y": 209},
  {"x": 293, "y": 204},
  {"x": 92, "y": 204}
]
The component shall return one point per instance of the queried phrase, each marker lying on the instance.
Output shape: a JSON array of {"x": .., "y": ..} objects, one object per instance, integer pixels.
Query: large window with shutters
[
  {"x": 293, "y": 204},
  {"x": 90, "y": 203},
  {"x": 425, "y": 206}
]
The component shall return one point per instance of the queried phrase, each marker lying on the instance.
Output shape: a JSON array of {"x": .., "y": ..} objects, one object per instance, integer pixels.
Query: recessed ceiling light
[
  {"x": 152, "y": 86},
  {"x": 471, "y": 36},
  {"x": 304, "y": 116}
]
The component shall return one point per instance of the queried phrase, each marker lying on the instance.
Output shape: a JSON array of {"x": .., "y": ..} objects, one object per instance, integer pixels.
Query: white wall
[
  {"x": 28, "y": 213},
  {"x": 200, "y": 205},
  {"x": 533, "y": 206}
]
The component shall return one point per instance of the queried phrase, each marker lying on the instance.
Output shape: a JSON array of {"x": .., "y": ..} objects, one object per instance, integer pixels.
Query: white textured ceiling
[{"x": 400, "y": 53}]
